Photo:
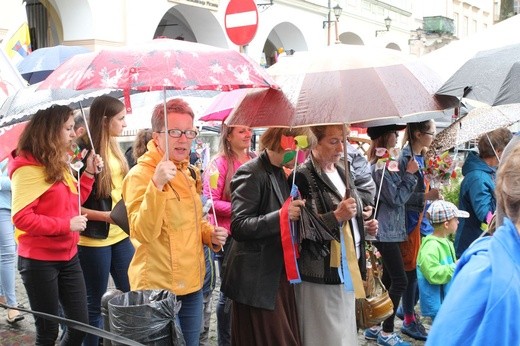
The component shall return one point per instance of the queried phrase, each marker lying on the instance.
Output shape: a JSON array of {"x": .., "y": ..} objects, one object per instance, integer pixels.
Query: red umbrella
[
  {"x": 160, "y": 64},
  {"x": 344, "y": 84},
  {"x": 9, "y": 137}
]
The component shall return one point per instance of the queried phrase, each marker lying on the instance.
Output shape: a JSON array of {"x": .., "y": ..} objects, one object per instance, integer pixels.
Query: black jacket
[
  {"x": 322, "y": 197},
  {"x": 252, "y": 268}
]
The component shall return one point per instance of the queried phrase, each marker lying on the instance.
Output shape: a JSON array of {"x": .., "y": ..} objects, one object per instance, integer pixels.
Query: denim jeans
[
  {"x": 190, "y": 317},
  {"x": 7, "y": 258},
  {"x": 97, "y": 263},
  {"x": 49, "y": 283}
]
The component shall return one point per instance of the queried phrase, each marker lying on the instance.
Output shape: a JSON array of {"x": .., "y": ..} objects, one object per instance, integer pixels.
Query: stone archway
[
  {"x": 192, "y": 24},
  {"x": 286, "y": 36},
  {"x": 351, "y": 38},
  {"x": 393, "y": 46}
]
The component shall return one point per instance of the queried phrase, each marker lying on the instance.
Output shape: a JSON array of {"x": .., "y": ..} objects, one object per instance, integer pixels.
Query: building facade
[{"x": 283, "y": 25}]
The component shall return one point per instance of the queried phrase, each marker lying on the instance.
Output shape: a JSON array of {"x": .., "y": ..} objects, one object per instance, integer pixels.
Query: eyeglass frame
[
  {"x": 429, "y": 133},
  {"x": 185, "y": 133}
]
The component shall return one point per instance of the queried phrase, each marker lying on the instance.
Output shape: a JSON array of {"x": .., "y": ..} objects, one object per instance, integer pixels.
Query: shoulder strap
[{"x": 192, "y": 172}]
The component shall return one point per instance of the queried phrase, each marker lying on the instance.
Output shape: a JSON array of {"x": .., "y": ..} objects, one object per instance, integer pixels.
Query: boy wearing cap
[{"x": 436, "y": 259}]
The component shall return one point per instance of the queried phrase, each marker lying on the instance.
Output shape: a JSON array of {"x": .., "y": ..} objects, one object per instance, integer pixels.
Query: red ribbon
[{"x": 290, "y": 252}]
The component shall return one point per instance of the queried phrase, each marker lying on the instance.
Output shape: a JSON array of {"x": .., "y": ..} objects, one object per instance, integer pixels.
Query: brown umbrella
[{"x": 344, "y": 84}]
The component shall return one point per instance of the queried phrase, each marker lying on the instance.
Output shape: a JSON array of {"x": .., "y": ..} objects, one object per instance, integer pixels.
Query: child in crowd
[{"x": 436, "y": 259}]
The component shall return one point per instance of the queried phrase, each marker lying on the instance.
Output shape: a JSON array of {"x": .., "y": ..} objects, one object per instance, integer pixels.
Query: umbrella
[
  {"x": 27, "y": 101},
  {"x": 10, "y": 79},
  {"x": 36, "y": 66},
  {"x": 489, "y": 78},
  {"x": 9, "y": 138},
  {"x": 314, "y": 234},
  {"x": 344, "y": 84},
  {"x": 160, "y": 64},
  {"x": 476, "y": 123},
  {"x": 223, "y": 104}
]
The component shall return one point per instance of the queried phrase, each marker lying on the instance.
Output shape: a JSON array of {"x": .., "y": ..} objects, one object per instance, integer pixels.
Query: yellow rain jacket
[{"x": 169, "y": 227}]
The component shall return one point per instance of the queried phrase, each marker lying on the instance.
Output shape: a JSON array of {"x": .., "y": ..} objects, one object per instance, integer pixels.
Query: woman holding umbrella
[
  {"x": 394, "y": 190},
  {"x": 418, "y": 137},
  {"x": 326, "y": 297},
  {"x": 104, "y": 248},
  {"x": 254, "y": 277},
  {"x": 234, "y": 150},
  {"x": 48, "y": 221}
]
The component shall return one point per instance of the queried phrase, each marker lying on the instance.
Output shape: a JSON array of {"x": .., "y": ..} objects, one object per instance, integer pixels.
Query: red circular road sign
[{"x": 241, "y": 21}]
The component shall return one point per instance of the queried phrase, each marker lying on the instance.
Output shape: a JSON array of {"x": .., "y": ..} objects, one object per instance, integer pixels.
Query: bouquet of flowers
[{"x": 440, "y": 169}]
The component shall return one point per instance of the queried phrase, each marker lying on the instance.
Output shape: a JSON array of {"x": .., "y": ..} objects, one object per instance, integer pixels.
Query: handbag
[
  {"x": 375, "y": 308},
  {"x": 120, "y": 216},
  {"x": 97, "y": 229}
]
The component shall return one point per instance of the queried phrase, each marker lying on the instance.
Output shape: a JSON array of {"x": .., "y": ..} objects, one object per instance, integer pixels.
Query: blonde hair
[
  {"x": 507, "y": 188},
  {"x": 102, "y": 111}
]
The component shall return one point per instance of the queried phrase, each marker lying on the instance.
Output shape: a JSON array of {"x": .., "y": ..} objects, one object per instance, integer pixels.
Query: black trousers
[
  {"x": 49, "y": 284},
  {"x": 394, "y": 277}
]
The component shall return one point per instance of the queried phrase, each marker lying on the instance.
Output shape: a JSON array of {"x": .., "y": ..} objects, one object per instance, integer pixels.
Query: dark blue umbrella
[{"x": 36, "y": 66}]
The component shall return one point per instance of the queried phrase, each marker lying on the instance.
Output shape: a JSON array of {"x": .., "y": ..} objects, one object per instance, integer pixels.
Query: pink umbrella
[{"x": 223, "y": 104}]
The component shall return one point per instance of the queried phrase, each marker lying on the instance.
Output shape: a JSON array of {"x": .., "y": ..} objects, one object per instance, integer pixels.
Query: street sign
[{"x": 241, "y": 21}]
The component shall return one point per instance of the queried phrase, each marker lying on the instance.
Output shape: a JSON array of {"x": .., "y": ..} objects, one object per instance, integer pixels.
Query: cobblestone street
[{"x": 22, "y": 333}]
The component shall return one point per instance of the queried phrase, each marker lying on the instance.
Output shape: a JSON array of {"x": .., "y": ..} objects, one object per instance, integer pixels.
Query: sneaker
[
  {"x": 391, "y": 340},
  {"x": 371, "y": 333},
  {"x": 415, "y": 330}
]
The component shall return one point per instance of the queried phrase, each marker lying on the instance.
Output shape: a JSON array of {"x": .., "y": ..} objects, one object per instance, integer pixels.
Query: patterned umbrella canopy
[
  {"x": 477, "y": 122},
  {"x": 157, "y": 65},
  {"x": 344, "y": 84}
]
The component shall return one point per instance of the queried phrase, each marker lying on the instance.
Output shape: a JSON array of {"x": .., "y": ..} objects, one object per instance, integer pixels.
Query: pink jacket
[{"x": 222, "y": 206}]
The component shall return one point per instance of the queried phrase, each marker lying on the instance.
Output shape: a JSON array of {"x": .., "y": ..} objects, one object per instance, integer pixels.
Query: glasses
[
  {"x": 175, "y": 133},
  {"x": 429, "y": 133}
]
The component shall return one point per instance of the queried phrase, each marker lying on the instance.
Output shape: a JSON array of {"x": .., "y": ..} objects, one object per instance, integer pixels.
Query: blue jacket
[
  {"x": 395, "y": 191},
  {"x": 416, "y": 202},
  {"x": 481, "y": 307},
  {"x": 477, "y": 197}
]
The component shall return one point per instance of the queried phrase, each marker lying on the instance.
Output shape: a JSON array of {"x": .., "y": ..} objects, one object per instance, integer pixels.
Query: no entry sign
[{"x": 241, "y": 21}]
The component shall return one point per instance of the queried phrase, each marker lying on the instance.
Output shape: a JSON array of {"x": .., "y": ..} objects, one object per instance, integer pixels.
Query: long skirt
[
  {"x": 279, "y": 327},
  {"x": 326, "y": 314}
]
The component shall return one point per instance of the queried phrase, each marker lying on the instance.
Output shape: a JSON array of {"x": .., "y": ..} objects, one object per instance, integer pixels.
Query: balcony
[{"x": 438, "y": 25}]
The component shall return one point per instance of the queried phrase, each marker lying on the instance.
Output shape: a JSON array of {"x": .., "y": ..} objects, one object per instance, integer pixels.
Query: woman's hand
[
  {"x": 371, "y": 227},
  {"x": 346, "y": 210},
  {"x": 432, "y": 195},
  {"x": 412, "y": 166},
  {"x": 295, "y": 209},
  {"x": 94, "y": 163},
  {"x": 78, "y": 223},
  {"x": 164, "y": 172},
  {"x": 219, "y": 236}
]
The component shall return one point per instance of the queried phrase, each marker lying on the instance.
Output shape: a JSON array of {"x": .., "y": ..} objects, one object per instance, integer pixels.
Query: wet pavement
[{"x": 23, "y": 333}]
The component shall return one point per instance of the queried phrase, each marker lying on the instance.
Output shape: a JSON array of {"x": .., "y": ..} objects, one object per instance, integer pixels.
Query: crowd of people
[{"x": 277, "y": 287}]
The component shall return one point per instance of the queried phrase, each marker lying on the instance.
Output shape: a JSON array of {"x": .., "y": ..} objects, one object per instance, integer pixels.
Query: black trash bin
[{"x": 147, "y": 316}]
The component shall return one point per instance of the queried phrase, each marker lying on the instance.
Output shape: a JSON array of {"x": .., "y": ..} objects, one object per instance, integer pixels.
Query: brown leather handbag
[{"x": 374, "y": 309}]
